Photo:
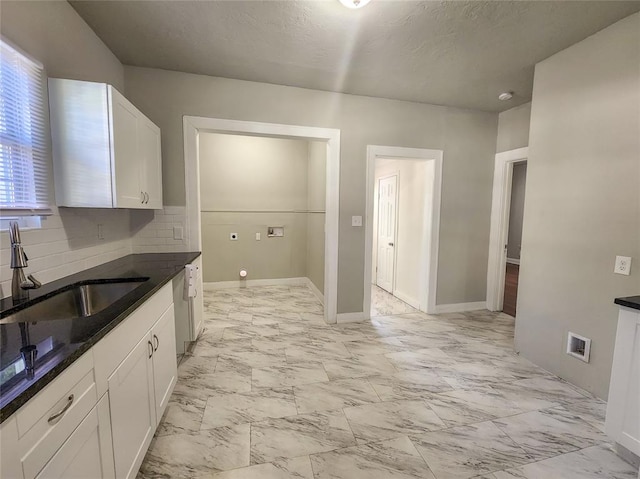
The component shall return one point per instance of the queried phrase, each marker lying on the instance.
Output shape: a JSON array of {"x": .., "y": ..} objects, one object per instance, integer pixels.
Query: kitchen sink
[{"x": 81, "y": 300}]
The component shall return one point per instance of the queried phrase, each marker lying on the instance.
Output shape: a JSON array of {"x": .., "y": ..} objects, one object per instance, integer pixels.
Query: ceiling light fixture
[
  {"x": 507, "y": 95},
  {"x": 353, "y": 4}
]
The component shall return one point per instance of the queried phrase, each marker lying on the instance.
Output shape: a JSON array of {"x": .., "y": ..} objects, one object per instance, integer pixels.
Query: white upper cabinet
[{"x": 106, "y": 153}]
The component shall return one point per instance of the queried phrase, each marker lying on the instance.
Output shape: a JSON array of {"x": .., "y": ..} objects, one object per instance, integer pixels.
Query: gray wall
[
  {"x": 246, "y": 185},
  {"x": 59, "y": 38},
  {"x": 513, "y": 128},
  {"x": 468, "y": 139},
  {"x": 316, "y": 195},
  {"x": 583, "y": 204},
  {"x": 516, "y": 213}
]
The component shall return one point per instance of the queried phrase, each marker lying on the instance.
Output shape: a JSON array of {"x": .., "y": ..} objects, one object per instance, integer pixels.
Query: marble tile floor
[
  {"x": 385, "y": 304},
  {"x": 272, "y": 392}
]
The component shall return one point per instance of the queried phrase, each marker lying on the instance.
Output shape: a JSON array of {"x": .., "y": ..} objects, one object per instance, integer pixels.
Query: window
[{"x": 24, "y": 162}]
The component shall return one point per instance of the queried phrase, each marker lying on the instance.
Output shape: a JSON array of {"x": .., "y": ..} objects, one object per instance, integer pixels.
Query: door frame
[
  {"x": 193, "y": 125},
  {"x": 430, "y": 243},
  {"x": 395, "y": 230},
  {"x": 500, "y": 208}
]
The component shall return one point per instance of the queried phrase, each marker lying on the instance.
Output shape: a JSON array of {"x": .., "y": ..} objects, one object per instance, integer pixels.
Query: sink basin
[{"x": 81, "y": 300}]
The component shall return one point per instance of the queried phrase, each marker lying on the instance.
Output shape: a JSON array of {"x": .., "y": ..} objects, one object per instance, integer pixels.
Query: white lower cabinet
[
  {"x": 96, "y": 420},
  {"x": 623, "y": 408},
  {"x": 82, "y": 456},
  {"x": 132, "y": 405},
  {"x": 165, "y": 371},
  {"x": 139, "y": 390}
]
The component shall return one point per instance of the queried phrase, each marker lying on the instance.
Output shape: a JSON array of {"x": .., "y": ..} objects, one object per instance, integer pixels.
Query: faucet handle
[
  {"x": 36, "y": 283},
  {"x": 30, "y": 283}
]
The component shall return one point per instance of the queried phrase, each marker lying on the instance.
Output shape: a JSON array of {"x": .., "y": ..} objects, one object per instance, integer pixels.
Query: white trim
[
  {"x": 217, "y": 285},
  {"x": 351, "y": 317},
  {"x": 429, "y": 259},
  {"x": 513, "y": 261},
  {"x": 194, "y": 124},
  {"x": 500, "y": 205},
  {"x": 414, "y": 303},
  {"x": 314, "y": 289},
  {"x": 460, "y": 307}
]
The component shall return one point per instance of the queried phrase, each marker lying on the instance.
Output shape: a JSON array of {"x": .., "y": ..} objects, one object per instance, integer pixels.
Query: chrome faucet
[{"x": 20, "y": 285}]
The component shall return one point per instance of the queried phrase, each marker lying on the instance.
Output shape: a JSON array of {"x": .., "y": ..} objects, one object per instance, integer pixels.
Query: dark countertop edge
[
  {"x": 12, "y": 407},
  {"x": 632, "y": 302}
]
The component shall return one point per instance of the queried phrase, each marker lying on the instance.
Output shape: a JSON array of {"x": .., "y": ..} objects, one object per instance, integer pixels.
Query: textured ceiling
[{"x": 455, "y": 53}]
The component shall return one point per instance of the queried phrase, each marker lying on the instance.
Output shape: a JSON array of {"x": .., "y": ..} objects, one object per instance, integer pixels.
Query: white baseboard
[
  {"x": 350, "y": 317},
  {"x": 513, "y": 261},
  {"x": 314, "y": 289},
  {"x": 407, "y": 299},
  {"x": 460, "y": 307},
  {"x": 212, "y": 286}
]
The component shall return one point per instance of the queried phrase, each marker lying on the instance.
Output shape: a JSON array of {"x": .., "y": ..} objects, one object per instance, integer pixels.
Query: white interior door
[{"x": 387, "y": 208}]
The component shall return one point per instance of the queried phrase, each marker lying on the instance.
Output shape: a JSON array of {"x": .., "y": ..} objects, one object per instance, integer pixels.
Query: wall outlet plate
[
  {"x": 177, "y": 233},
  {"x": 233, "y": 236},
  {"x": 356, "y": 221},
  {"x": 623, "y": 265},
  {"x": 258, "y": 236}
]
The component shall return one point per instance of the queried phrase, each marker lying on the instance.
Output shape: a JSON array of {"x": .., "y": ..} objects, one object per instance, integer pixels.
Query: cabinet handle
[
  {"x": 150, "y": 349},
  {"x": 147, "y": 195},
  {"x": 142, "y": 197},
  {"x": 53, "y": 419},
  {"x": 155, "y": 338}
]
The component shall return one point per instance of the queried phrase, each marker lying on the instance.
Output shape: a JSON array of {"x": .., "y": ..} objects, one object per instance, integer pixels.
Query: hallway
[{"x": 271, "y": 391}]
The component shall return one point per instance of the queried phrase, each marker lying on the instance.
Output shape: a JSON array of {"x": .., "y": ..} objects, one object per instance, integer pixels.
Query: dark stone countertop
[
  {"x": 60, "y": 342},
  {"x": 630, "y": 302}
]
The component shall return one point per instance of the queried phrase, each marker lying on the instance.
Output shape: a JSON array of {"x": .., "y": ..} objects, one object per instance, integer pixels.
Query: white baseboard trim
[
  {"x": 212, "y": 286},
  {"x": 460, "y": 307},
  {"x": 351, "y": 317},
  {"x": 407, "y": 299},
  {"x": 513, "y": 261},
  {"x": 314, "y": 289}
]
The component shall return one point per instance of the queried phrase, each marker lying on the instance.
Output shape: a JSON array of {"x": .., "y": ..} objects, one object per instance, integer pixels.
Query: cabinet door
[
  {"x": 165, "y": 362},
  {"x": 125, "y": 161},
  {"x": 80, "y": 456},
  {"x": 132, "y": 407},
  {"x": 150, "y": 163}
]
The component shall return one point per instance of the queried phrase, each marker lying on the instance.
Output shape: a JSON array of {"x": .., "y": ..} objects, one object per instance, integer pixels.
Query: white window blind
[{"x": 24, "y": 165}]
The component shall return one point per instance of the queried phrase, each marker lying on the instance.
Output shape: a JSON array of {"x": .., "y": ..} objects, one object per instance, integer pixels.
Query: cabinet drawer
[{"x": 53, "y": 428}]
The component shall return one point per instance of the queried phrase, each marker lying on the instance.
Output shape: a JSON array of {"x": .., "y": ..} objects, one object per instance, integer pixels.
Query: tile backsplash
[
  {"x": 153, "y": 230},
  {"x": 69, "y": 241}
]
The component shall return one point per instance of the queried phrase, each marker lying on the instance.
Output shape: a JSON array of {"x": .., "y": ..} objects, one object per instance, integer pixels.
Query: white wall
[
  {"x": 516, "y": 212},
  {"x": 68, "y": 241},
  {"x": 468, "y": 139},
  {"x": 583, "y": 202},
  {"x": 415, "y": 183}
]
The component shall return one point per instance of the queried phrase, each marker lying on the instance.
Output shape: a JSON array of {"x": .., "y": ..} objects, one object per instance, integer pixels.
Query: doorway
[
  {"x": 386, "y": 231},
  {"x": 506, "y": 230},
  {"x": 402, "y": 228},
  {"x": 193, "y": 126},
  {"x": 514, "y": 237}
]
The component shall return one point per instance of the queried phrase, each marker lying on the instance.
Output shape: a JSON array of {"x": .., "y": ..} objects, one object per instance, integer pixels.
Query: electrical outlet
[
  {"x": 233, "y": 236},
  {"x": 258, "y": 237},
  {"x": 177, "y": 232},
  {"x": 356, "y": 221},
  {"x": 623, "y": 265},
  {"x": 100, "y": 231}
]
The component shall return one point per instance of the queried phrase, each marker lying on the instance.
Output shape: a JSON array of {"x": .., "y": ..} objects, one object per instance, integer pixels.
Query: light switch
[
  {"x": 356, "y": 221},
  {"x": 177, "y": 232},
  {"x": 623, "y": 265}
]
